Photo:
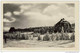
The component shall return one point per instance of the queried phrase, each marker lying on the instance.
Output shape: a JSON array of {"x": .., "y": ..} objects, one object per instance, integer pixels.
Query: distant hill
[
  {"x": 63, "y": 23},
  {"x": 56, "y": 28}
]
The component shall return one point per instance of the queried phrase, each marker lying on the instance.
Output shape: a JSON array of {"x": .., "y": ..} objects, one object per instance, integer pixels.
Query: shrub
[
  {"x": 46, "y": 37},
  {"x": 26, "y": 37},
  {"x": 35, "y": 35},
  {"x": 64, "y": 36},
  {"x": 57, "y": 36},
  {"x": 72, "y": 37},
  {"x": 53, "y": 36},
  {"x": 39, "y": 38},
  {"x": 31, "y": 37}
]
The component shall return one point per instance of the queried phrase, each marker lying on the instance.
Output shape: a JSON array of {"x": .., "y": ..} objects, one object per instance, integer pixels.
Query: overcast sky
[{"x": 37, "y": 14}]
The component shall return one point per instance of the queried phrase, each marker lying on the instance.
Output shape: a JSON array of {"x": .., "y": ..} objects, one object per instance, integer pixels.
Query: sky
[{"x": 36, "y": 14}]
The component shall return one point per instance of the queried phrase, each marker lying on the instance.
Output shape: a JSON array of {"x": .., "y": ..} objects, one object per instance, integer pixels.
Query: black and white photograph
[{"x": 39, "y": 25}]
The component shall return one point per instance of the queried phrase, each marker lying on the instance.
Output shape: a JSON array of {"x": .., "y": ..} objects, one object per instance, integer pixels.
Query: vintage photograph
[{"x": 39, "y": 25}]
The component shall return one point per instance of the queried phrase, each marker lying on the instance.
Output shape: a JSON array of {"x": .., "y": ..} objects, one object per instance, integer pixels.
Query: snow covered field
[{"x": 35, "y": 43}]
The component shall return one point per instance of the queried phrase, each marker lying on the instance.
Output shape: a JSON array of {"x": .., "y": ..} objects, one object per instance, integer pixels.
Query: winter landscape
[{"x": 32, "y": 25}]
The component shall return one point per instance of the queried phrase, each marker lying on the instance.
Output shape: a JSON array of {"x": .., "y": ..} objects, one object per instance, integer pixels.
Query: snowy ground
[{"x": 36, "y": 43}]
